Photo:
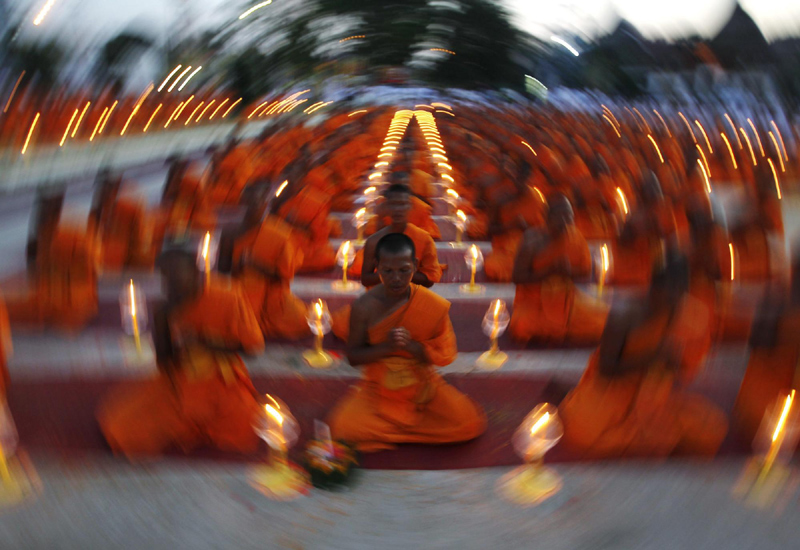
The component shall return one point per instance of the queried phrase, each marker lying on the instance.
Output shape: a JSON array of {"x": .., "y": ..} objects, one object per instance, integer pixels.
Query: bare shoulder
[
  {"x": 367, "y": 303},
  {"x": 372, "y": 240}
]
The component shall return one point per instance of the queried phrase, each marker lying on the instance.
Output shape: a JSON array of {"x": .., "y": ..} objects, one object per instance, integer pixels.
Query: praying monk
[
  {"x": 774, "y": 366},
  {"x": 397, "y": 204},
  {"x": 548, "y": 306},
  {"x": 202, "y": 395},
  {"x": 399, "y": 333},
  {"x": 263, "y": 258},
  {"x": 631, "y": 401}
]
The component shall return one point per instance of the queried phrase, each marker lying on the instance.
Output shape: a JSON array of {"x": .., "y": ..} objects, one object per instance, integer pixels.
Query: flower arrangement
[{"x": 330, "y": 463}]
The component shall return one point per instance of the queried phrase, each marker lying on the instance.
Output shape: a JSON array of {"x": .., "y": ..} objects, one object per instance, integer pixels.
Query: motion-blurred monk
[
  {"x": 398, "y": 333},
  {"x": 547, "y": 305},
  {"x": 263, "y": 258},
  {"x": 774, "y": 367},
  {"x": 397, "y": 204},
  {"x": 630, "y": 400},
  {"x": 203, "y": 394}
]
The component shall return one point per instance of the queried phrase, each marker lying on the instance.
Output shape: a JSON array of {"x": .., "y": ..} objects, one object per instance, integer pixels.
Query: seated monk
[
  {"x": 511, "y": 216},
  {"x": 202, "y": 394},
  {"x": 419, "y": 214},
  {"x": 64, "y": 284},
  {"x": 184, "y": 207},
  {"x": 397, "y": 204},
  {"x": 630, "y": 401},
  {"x": 123, "y": 232},
  {"x": 263, "y": 258},
  {"x": 45, "y": 217},
  {"x": 548, "y": 306},
  {"x": 774, "y": 366},
  {"x": 398, "y": 333}
]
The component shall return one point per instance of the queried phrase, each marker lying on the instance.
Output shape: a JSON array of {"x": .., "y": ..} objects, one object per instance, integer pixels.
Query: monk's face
[
  {"x": 397, "y": 207},
  {"x": 396, "y": 271}
]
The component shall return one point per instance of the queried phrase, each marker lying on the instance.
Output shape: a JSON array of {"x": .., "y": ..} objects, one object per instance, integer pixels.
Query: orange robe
[
  {"x": 646, "y": 413},
  {"x": 188, "y": 210},
  {"x": 6, "y": 348},
  {"x": 64, "y": 293},
  {"x": 125, "y": 236},
  {"x": 427, "y": 263},
  {"x": 555, "y": 310},
  {"x": 232, "y": 175},
  {"x": 770, "y": 375},
  {"x": 400, "y": 400},
  {"x": 309, "y": 208},
  {"x": 210, "y": 399},
  {"x": 280, "y": 313},
  {"x": 500, "y": 263}
]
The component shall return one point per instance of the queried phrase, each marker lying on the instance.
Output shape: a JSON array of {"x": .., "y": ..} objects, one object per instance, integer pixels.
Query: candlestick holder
[
  {"x": 494, "y": 324},
  {"x": 474, "y": 260},
  {"x": 344, "y": 257},
  {"x": 533, "y": 483},
  {"x": 278, "y": 479},
  {"x": 319, "y": 320}
]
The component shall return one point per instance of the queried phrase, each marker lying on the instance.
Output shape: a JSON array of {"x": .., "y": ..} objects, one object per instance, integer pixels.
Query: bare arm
[
  {"x": 369, "y": 277},
  {"x": 359, "y": 350}
]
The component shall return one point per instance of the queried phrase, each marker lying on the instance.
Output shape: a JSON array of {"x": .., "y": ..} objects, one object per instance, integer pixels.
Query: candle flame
[
  {"x": 653, "y": 141},
  {"x": 318, "y": 308},
  {"x": 705, "y": 160},
  {"x": 604, "y": 254},
  {"x": 730, "y": 150},
  {"x": 461, "y": 215},
  {"x": 133, "y": 300},
  {"x": 445, "y": 166},
  {"x": 624, "y": 201},
  {"x": 775, "y": 177},
  {"x": 689, "y": 126},
  {"x": 613, "y": 126},
  {"x": 360, "y": 213},
  {"x": 345, "y": 247},
  {"x": 369, "y": 190},
  {"x": 206, "y": 244},
  {"x": 541, "y": 195},
  {"x": 733, "y": 264},
  {"x": 30, "y": 133},
  {"x": 497, "y": 304},
  {"x": 540, "y": 423},
  {"x": 474, "y": 251},
  {"x": 787, "y": 405},
  {"x": 453, "y": 193},
  {"x": 274, "y": 413},
  {"x": 448, "y": 177},
  {"x": 281, "y": 188},
  {"x": 375, "y": 175}
]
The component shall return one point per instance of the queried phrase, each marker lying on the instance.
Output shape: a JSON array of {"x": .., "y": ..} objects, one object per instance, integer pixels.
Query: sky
[{"x": 77, "y": 19}]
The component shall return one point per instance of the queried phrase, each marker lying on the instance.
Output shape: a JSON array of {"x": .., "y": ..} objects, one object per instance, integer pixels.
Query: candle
[
  {"x": 460, "y": 225},
  {"x": 603, "y": 268},
  {"x": 733, "y": 261},
  {"x": 206, "y": 257},
  {"x": 623, "y": 201},
  {"x": 474, "y": 252},
  {"x": 360, "y": 219},
  {"x": 540, "y": 423},
  {"x": 274, "y": 413},
  {"x": 345, "y": 261},
  {"x": 319, "y": 310},
  {"x": 281, "y": 188},
  {"x": 134, "y": 320}
]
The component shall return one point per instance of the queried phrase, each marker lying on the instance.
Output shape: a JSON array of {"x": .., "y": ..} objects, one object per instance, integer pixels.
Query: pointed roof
[{"x": 740, "y": 42}]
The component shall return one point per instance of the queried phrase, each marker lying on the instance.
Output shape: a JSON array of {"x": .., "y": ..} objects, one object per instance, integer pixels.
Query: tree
[{"x": 118, "y": 56}]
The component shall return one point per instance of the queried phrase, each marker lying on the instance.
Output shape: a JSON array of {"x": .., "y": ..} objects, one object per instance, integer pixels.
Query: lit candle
[
  {"x": 281, "y": 188},
  {"x": 134, "y": 320},
  {"x": 319, "y": 311},
  {"x": 345, "y": 261},
  {"x": 460, "y": 225},
  {"x": 604, "y": 264},
  {"x": 778, "y": 435},
  {"x": 274, "y": 413},
  {"x": 360, "y": 220},
  {"x": 623, "y": 200},
  {"x": 207, "y": 257},
  {"x": 733, "y": 261},
  {"x": 474, "y": 253}
]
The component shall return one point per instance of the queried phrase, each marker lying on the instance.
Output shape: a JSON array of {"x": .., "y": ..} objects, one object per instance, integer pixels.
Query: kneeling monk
[
  {"x": 629, "y": 401},
  {"x": 548, "y": 306},
  {"x": 398, "y": 333},
  {"x": 203, "y": 394}
]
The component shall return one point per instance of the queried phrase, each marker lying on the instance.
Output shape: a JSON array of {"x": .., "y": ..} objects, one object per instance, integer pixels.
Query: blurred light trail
[
  {"x": 66, "y": 132},
  {"x": 559, "y": 40},
  {"x": 703, "y": 130},
  {"x": 14, "y": 91},
  {"x": 220, "y": 106},
  {"x": 775, "y": 177},
  {"x": 182, "y": 86},
  {"x": 103, "y": 126},
  {"x": 80, "y": 118},
  {"x": 780, "y": 137},
  {"x": 694, "y": 138},
  {"x": 169, "y": 77},
  {"x": 42, "y": 14},
  {"x": 749, "y": 145},
  {"x": 613, "y": 126},
  {"x": 705, "y": 160},
  {"x": 255, "y": 8},
  {"x": 664, "y": 122},
  {"x": 730, "y": 149},
  {"x": 777, "y": 150},
  {"x": 758, "y": 138},
  {"x": 653, "y": 141},
  {"x": 357, "y": 112},
  {"x": 526, "y": 144},
  {"x": 30, "y": 133},
  {"x": 210, "y": 103},
  {"x": 155, "y": 112},
  {"x": 99, "y": 121},
  {"x": 235, "y": 103},
  {"x": 705, "y": 176},
  {"x": 442, "y": 50},
  {"x": 733, "y": 126},
  {"x": 180, "y": 77},
  {"x": 191, "y": 116},
  {"x": 352, "y": 37}
]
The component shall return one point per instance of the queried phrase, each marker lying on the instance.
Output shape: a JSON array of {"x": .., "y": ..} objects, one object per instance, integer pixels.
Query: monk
[
  {"x": 774, "y": 366},
  {"x": 630, "y": 401},
  {"x": 548, "y": 306},
  {"x": 397, "y": 203},
  {"x": 45, "y": 218},
  {"x": 202, "y": 395},
  {"x": 263, "y": 258},
  {"x": 123, "y": 231},
  {"x": 399, "y": 333}
]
